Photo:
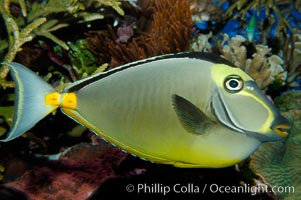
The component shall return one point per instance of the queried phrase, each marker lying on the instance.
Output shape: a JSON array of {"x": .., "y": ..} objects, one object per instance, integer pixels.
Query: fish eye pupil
[{"x": 233, "y": 83}]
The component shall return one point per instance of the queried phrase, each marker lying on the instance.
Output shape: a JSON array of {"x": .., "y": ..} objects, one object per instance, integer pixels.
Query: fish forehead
[
  {"x": 157, "y": 60},
  {"x": 220, "y": 71}
]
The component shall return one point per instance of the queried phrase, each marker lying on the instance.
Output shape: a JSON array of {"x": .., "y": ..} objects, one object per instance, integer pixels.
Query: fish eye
[{"x": 233, "y": 83}]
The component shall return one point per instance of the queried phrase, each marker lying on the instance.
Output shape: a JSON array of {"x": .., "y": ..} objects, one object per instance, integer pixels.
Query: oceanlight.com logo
[
  {"x": 253, "y": 190},
  {"x": 191, "y": 188}
]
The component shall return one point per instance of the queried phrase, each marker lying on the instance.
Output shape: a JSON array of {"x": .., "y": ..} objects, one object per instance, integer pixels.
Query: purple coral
[
  {"x": 125, "y": 32},
  {"x": 75, "y": 176}
]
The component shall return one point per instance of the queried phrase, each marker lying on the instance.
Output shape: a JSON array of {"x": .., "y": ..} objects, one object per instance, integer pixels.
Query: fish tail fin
[{"x": 31, "y": 102}]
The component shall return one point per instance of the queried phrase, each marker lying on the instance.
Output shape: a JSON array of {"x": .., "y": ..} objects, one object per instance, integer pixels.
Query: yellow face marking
[
  {"x": 69, "y": 100},
  {"x": 218, "y": 74},
  {"x": 53, "y": 99}
]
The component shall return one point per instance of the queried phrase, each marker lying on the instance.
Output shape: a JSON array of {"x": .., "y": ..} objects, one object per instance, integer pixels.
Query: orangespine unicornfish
[{"x": 184, "y": 109}]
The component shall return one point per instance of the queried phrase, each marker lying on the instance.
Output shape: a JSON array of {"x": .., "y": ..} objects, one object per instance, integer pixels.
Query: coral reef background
[{"x": 67, "y": 40}]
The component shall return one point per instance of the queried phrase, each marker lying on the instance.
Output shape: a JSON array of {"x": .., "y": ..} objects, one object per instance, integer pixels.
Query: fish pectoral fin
[{"x": 190, "y": 116}]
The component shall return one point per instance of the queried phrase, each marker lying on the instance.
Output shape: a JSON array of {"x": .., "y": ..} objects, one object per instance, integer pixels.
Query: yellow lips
[{"x": 281, "y": 130}]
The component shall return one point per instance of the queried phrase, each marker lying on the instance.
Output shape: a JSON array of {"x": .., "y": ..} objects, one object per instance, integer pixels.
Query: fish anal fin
[
  {"x": 75, "y": 115},
  {"x": 190, "y": 116}
]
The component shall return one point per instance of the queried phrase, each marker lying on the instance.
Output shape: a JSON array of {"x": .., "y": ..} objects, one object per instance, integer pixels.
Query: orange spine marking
[
  {"x": 69, "y": 100},
  {"x": 53, "y": 99}
]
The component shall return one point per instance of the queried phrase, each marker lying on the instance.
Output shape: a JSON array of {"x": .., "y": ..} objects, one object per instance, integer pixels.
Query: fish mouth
[
  {"x": 280, "y": 126},
  {"x": 281, "y": 130}
]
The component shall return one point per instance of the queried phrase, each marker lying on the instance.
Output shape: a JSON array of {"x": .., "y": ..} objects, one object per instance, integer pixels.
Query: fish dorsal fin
[
  {"x": 182, "y": 55},
  {"x": 190, "y": 116}
]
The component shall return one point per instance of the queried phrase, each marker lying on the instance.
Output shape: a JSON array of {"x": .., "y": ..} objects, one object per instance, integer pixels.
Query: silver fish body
[{"x": 177, "y": 109}]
